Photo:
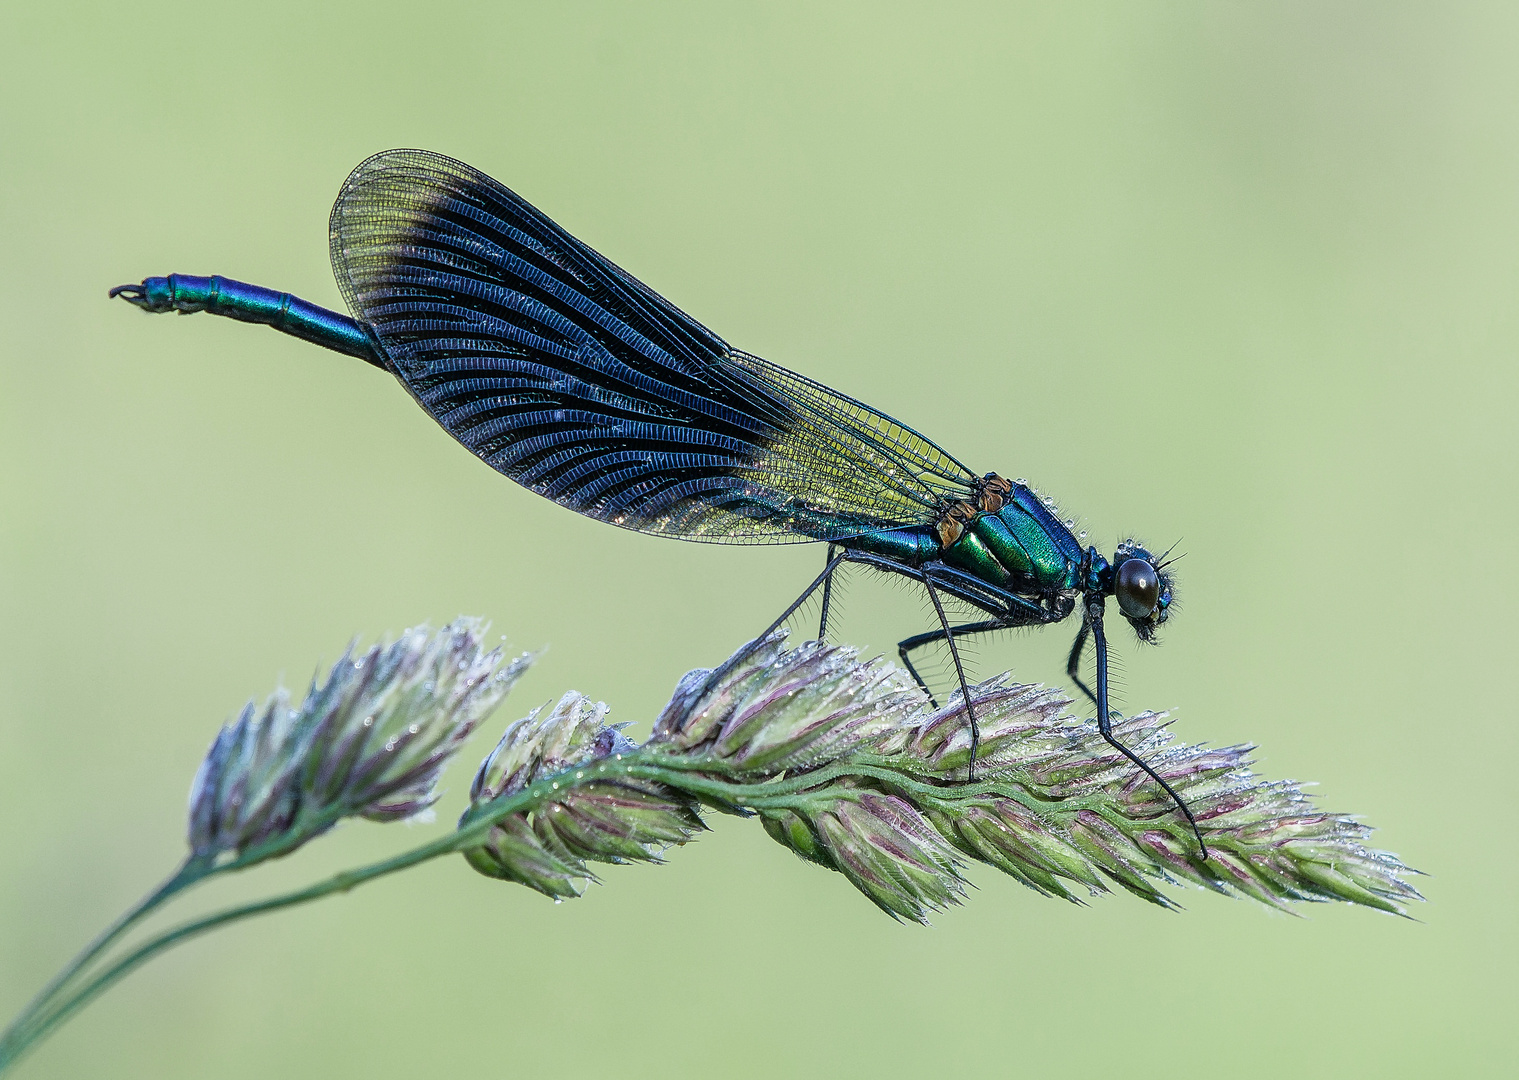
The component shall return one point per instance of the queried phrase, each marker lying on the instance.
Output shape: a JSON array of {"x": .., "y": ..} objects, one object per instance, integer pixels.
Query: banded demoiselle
[{"x": 565, "y": 373}]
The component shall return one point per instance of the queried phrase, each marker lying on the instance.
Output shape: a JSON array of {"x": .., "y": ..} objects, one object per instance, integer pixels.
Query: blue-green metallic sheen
[
  {"x": 913, "y": 547},
  {"x": 253, "y": 304},
  {"x": 1022, "y": 547},
  {"x": 970, "y": 554}
]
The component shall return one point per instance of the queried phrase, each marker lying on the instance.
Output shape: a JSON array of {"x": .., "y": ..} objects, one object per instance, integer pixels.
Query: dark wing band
[{"x": 566, "y": 374}]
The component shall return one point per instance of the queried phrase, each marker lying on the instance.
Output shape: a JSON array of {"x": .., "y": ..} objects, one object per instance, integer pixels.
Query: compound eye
[{"x": 1137, "y": 588}]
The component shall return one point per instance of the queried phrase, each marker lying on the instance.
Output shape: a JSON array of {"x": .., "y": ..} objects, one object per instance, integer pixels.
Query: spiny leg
[
  {"x": 822, "y": 579},
  {"x": 970, "y": 712},
  {"x": 917, "y": 641},
  {"x": 1073, "y": 665},
  {"x": 1018, "y": 612},
  {"x": 827, "y": 596},
  {"x": 1104, "y": 725},
  {"x": 717, "y": 673}
]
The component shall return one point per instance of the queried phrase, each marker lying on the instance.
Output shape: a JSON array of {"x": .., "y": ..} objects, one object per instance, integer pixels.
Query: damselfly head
[{"x": 1142, "y": 588}]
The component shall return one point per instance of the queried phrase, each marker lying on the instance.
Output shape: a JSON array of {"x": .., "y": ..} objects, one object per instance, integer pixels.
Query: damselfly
[{"x": 563, "y": 372}]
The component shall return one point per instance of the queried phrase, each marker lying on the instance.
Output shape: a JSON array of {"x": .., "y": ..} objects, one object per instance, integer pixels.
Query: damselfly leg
[
  {"x": 1092, "y": 620},
  {"x": 1073, "y": 665},
  {"x": 954, "y": 653},
  {"x": 917, "y": 641},
  {"x": 827, "y": 597}
]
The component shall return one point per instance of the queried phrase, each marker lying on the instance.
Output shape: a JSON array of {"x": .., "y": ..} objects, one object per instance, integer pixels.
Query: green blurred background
[{"x": 1239, "y": 274}]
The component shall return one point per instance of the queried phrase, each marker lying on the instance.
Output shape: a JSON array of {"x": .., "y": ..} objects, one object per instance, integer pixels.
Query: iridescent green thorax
[
  {"x": 1007, "y": 537},
  {"x": 1012, "y": 540}
]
